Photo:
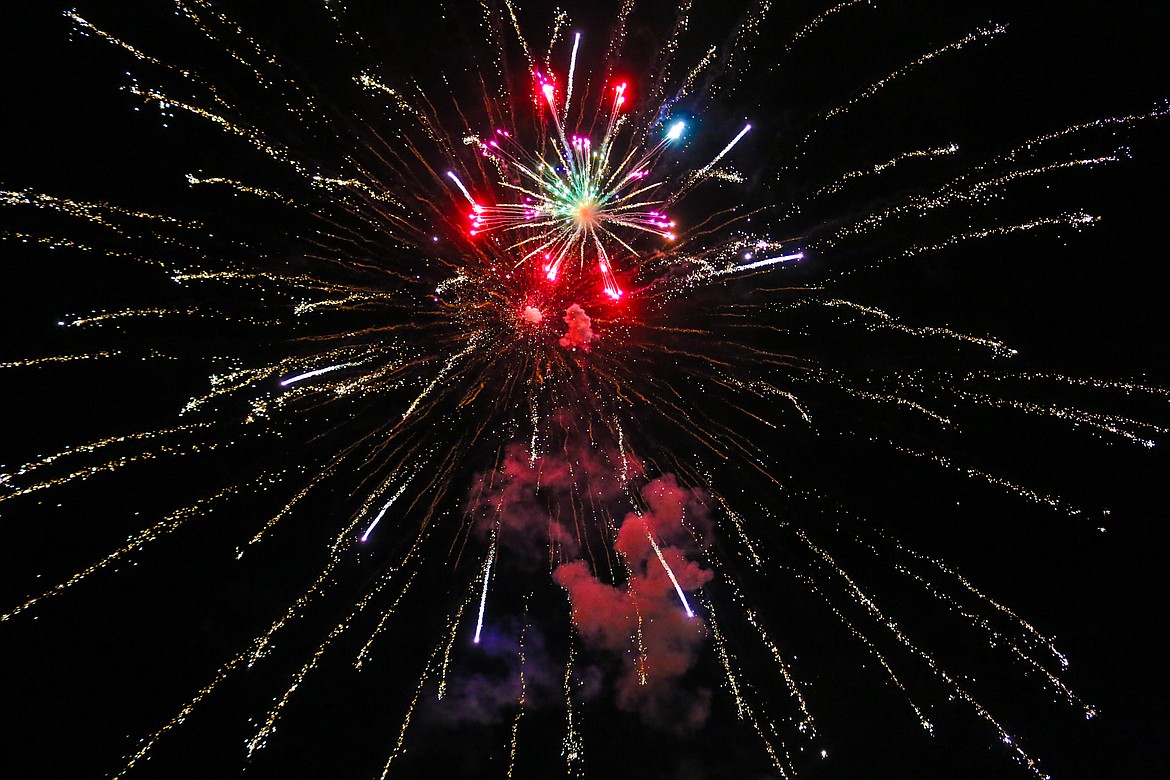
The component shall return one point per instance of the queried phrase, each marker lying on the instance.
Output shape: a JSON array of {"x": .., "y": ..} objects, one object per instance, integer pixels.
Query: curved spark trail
[{"x": 609, "y": 328}]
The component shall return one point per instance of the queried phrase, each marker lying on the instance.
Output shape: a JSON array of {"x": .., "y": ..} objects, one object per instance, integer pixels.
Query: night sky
[{"x": 87, "y": 674}]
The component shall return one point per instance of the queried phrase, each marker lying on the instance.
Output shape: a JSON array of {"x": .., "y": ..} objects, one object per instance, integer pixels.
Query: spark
[
  {"x": 382, "y": 513},
  {"x": 682, "y": 597},
  {"x": 462, "y": 188},
  {"x": 487, "y": 573},
  {"x": 292, "y": 380},
  {"x": 731, "y": 145},
  {"x": 572, "y": 72},
  {"x": 769, "y": 261}
]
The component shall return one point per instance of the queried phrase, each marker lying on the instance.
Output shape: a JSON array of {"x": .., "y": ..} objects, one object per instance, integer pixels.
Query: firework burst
[
  {"x": 511, "y": 363},
  {"x": 575, "y": 202}
]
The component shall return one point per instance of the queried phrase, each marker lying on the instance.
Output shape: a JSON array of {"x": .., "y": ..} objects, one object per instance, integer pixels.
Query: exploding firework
[
  {"x": 574, "y": 202},
  {"x": 554, "y": 376}
]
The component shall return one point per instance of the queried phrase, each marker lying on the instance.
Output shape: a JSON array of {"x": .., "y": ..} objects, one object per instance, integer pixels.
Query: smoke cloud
[
  {"x": 491, "y": 694},
  {"x": 644, "y": 624},
  {"x": 528, "y": 502},
  {"x": 531, "y": 315},
  {"x": 542, "y": 509},
  {"x": 580, "y": 331}
]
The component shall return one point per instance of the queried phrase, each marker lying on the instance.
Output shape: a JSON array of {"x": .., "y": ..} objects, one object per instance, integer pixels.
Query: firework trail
[{"x": 504, "y": 362}]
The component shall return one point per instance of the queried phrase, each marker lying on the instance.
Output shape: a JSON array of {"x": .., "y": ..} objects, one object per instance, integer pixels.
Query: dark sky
[{"x": 86, "y": 675}]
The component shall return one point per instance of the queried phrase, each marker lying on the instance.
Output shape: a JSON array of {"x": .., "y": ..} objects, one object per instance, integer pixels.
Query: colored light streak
[
  {"x": 292, "y": 380},
  {"x": 670, "y": 573},
  {"x": 382, "y": 513},
  {"x": 769, "y": 261},
  {"x": 487, "y": 573}
]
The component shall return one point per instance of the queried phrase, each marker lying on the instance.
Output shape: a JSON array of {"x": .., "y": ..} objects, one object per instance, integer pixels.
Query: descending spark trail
[
  {"x": 772, "y": 261},
  {"x": 698, "y": 175},
  {"x": 382, "y": 513},
  {"x": 462, "y": 188},
  {"x": 519, "y": 326},
  {"x": 292, "y": 380},
  {"x": 769, "y": 261},
  {"x": 682, "y": 597},
  {"x": 487, "y": 574}
]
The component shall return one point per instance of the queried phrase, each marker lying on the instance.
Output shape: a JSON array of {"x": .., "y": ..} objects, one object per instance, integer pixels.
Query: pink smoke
[
  {"x": 531, "y": 315},
  {"x": 526, "y": 500},
  {"x": 643, "y": 623},
  {"x": 548, "y": 507},
  {"x": 580, "y": 331}
]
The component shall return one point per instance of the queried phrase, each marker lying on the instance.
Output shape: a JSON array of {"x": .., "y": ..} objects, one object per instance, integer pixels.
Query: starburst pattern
[{"x": 568, "y": 355}]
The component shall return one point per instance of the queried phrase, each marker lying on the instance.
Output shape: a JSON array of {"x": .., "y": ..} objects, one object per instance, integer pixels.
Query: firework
[
  {"x": 507, "y": 370},
  {"x": 577, "y": 199}
]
